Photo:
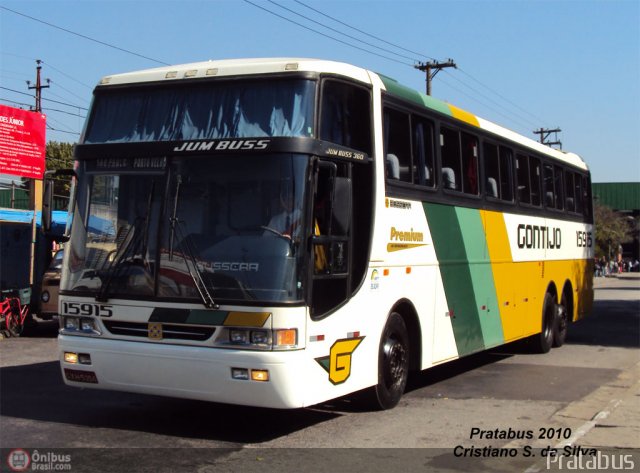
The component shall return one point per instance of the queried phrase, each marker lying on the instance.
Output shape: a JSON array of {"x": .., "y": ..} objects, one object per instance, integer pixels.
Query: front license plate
[{"x": 81, "y": 376}]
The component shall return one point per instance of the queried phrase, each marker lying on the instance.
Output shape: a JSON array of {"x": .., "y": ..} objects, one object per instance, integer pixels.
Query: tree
[
  {"x": 612, "y": 230},
  {"x": 60, "y": 156}
]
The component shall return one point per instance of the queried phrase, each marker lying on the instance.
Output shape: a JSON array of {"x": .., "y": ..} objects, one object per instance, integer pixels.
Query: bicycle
[{"x": 13, "y": 313}]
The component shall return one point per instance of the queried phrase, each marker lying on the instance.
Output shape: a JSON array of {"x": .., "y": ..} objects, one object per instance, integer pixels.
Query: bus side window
[
  {"x": 397, "y": 145},
  {"x": 346, "y": 115},
  {"x": 451, "y": 164},
  {"x": 578, "y": 193},
  {"x": 569, "y": 188},
  {"x": 506, "y": 174},
  {"x": 469, "y": 164},
  {"x": 549, "y": 187},
  {"x": 423, "y": 152},
  {"x": 535, "y": 175},
  {"x": 587, "y": 209},
  {"x": 522, "y": 175},
  {"x": 491, "y": 170},
  {"x": 558, "y": 183}
]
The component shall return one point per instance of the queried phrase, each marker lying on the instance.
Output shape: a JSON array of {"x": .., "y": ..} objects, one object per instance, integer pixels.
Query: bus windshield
[
  {"x": 234, "y": 226},
  {"x": 208, "y": 110}
]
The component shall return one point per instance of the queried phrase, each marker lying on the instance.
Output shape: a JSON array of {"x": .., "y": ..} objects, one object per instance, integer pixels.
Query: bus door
[{"x": 330, "y": 237}]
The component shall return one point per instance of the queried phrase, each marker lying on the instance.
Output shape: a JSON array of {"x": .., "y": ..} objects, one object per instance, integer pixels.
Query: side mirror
[
  {"x": 47, "y": 200},
  {"x": 47, "y": 205}
]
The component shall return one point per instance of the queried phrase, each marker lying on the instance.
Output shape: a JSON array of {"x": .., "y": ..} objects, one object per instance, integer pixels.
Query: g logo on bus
[
  {"x": 155, "y": 331},
  {"x": 338, "y": 363}
]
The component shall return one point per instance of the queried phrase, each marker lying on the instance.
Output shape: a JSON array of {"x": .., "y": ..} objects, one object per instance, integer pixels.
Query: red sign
[{"x": 22, "y": 142}]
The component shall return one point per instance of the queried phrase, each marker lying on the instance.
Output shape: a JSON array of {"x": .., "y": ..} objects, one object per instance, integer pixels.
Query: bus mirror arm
[{"x": 47, "y": 200}]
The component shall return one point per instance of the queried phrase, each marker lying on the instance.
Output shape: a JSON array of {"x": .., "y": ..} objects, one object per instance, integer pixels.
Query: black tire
[
  {"x": 14, "y": 323},
  {"x": 393, "y": 364},
  {"x": 562, "y": 323},
  {"x": 543, "y": 341}
]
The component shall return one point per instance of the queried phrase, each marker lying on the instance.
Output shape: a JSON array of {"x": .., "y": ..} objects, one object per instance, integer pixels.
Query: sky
[{"x": 524, "y": 64}]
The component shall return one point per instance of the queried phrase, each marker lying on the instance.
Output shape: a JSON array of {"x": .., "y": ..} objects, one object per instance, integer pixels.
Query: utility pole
[
  {"x": 431, "y": 68},
  {"x": 38, "y": 87},
  {"x": 544, "y": 135},
  {"x": 35, "y": 185}
]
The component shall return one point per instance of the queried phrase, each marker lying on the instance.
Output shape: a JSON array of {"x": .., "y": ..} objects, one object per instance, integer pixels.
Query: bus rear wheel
[
  {"x": 393, "y": 363},
  {"x": 562, "y": 322},
  {"x": 543, "y": 341}
]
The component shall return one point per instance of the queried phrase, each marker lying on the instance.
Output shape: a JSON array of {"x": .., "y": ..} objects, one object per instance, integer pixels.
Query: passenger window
[
  {"x": 506, "y": 174},
  {"x": 578, "y": 193},
  {"x": 423, "y": 152},
  {"x": 558, "y": 182},
  {"x": 346, "y": 115},
  {"x": 570, "y": 201},
  {"x": 549, "y": 187},
  {"x": 491, "y": 170},
  {"x": 535, "y": 174},
  {"x": 522, "y": 174},
  {"x": 586, "y": 197},
  {"x": 397, "y": 146},
  {"x": 451, "y": 165},
  {"x": 498, "y": 172},
  {"x": 469, "y": 164}
]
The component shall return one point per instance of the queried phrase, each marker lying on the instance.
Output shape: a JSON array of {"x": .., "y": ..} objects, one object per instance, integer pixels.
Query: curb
[{"x": 608, "y": 417}]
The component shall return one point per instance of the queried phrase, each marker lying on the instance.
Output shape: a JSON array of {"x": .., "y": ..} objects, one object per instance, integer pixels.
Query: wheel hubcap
[{"x": 395, "y": 362}]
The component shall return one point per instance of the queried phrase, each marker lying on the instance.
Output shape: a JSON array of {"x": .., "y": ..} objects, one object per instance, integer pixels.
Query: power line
[
  {"x": 62, "y": 111},
  {"x": 339, "y": 32},
  {"x": 419, "y": 64},
  {"x": 363, "y": 32},
  {"x": 49, "y": 127},
  {"x": 68, "y": 91},
  {"x": 17, "y": 92},
  {"x": 49, "y": 100},
  {"x": 501, "y": 96},
  {"x": 67, "y": 75},
  {"x": 84, "y": 36},
  {"x": 513, "y": 115},
  {"x": 22, "y": 104},
  {"x": 487, "y": 106},
  {"x": 324, "y": 34}
]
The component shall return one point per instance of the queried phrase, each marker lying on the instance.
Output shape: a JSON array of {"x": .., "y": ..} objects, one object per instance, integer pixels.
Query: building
[{"x": 623, "y": 197}]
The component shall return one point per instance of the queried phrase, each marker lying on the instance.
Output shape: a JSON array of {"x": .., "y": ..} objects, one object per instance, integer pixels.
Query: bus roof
[{"x": 234, "y": 67}]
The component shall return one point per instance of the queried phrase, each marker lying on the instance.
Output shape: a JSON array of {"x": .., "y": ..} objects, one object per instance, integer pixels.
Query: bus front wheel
[{"x": 393, "y": 363}]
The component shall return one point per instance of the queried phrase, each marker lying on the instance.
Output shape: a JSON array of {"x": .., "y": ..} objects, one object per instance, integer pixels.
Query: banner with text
[{"x": 22, "y": 142}]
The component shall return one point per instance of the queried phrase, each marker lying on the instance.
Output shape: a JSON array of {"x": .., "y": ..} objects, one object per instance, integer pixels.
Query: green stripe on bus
[
  {"x": 484, "y": 288},
  {"x": 449, "y": 245},
  {"x": 395, "y": 88}
]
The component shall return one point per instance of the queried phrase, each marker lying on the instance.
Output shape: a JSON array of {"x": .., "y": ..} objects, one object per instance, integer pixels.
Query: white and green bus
[{"x": 281, "y": 232}]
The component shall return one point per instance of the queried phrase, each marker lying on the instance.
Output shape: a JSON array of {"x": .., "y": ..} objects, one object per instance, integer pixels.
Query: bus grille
[{"x": 169, "y": 331}]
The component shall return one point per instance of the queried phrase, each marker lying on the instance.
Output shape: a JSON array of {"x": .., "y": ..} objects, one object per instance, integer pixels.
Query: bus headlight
[
  {"x": 80, "y": 326},
  {"x": 239, "y": 337},
  {"x": 72, "y": 324},
  {"x": 260, "y": 339}
]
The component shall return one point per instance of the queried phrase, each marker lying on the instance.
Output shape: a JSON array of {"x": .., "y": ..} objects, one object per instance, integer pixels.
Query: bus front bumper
[{"x": 183, "y": 371}]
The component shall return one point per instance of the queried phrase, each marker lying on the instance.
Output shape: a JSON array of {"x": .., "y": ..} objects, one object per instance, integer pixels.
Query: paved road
[{"x": 484, "y": 401}]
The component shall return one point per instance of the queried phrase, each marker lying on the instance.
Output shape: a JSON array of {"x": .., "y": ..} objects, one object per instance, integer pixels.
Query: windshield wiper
[
  {"x": 132, "y": 239},
  {"x": 188, "y": 252}
]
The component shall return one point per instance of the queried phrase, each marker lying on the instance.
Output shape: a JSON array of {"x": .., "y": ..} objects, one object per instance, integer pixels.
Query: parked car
[{"x": 50, "y": 287}]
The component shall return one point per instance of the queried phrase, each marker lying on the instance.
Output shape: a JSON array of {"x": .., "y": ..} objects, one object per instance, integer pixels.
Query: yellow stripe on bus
[
  {"x": 464, "y": 115},
  {"x": 507, "y": 276},
  {"x": 246, "y": 319}
]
